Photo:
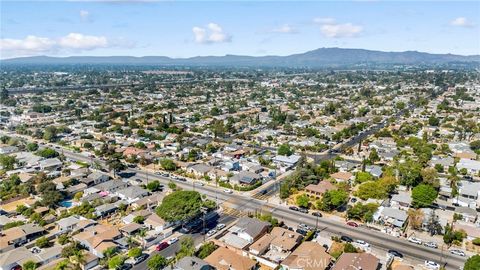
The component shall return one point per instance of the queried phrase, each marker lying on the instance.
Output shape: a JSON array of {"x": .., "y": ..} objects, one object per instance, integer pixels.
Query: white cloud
[
  {"x": 84, "y": 15},
  {"x": 213, "y": 33},
  {"x": 73, "y": 42},
  {"x": 461, "y": 22},
  {"x": 82, "y": 42},
  {"x": 324, "y": 20},
  {"x": 341, "y": 30},
  {"x": 331, "y": 29},
  {"x": 285, "y": 29}
]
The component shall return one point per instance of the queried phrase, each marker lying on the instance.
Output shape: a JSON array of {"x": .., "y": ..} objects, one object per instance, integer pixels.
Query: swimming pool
[{"x": 66, "y": 204}]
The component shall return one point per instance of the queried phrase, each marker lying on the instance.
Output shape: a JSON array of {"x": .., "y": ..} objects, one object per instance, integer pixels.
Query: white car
[
  {"x": 430, "y": 244},
  {"x": 432, "y": 265},
  {"x": 227, "y": 191},
  {"x": 415, "y": 240},
  {"x": 220, "y": 226},
  {"x": 172, "y": 240},
  {"x": 211, "y": 232},
  {"x": 362, "y": 243},
  {"x": 457, "y": 252}
]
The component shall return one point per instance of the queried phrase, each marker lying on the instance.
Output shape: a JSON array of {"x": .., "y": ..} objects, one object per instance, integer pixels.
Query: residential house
[
  {"x": 98, "y": 238},
  {"x": 245, "y": 232},
  {"x": 444, "y": 162},
  {"x": 192, "y": 263},
  {"x": 279, "y": 243},
  {"x": 95, "y": 178},
  {"x": 132, "y": 194},
  {"x": 390, "y": 216},
  {"x": 245, "y": 178},
  {"x": 308, "y": 256},
  {"x": 374, "y": 170},
  {"x": 50, "y": 164},
  {"x": 402, "y": 200},
  {"x": 226, "y": 259},
  {"x": 472, "y": 166},
  {"x": 342, "y": 176},
  {"x": 319, "y": 189},
  {"x": 199, "y": 170},
  {"x": 355, "y": 261},
  {"x": 154, "y": 222}
]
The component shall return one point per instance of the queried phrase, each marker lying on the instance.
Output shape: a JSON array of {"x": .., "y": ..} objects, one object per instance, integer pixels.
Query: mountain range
[{"x": 322, "y": 57}]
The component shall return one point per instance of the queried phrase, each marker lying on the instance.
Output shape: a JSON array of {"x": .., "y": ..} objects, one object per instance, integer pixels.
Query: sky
[{"x": 185, "y": 29}]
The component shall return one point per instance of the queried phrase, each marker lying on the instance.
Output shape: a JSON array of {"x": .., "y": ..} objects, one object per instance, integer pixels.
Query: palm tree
[{"x": 77, "y": 260}]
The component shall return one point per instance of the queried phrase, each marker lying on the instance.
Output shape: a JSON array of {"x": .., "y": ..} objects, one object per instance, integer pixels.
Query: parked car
[
  {"x": 346, "y": 239},
  {"x": 317, "y": 214},
  {"x": 140, "y": 258},
  {"x": 126, "y": 266},
  {"x": 304, "y": 227},
  {"x": 457, "y": 252},
  {"x": 303, "y": 210},
  {"x": 172, "y": 240},
  {"x": 294, "y": 208},
  {"x": 301, "y": 231},
  {"x": 162, "y": 246},
  {"x": 362, "y": 243},
  {"x": 432, "y": 265},
  {"x": 227, "y": 191},
  {"x": 220, "y": 226},
  {"x": 415, "y": 240},
  {"x": 211, "y": 232},
  {"x": 394, "y": 253},
  {"x": 430, "y": 244},
  {"x": 352, "y": 224}
]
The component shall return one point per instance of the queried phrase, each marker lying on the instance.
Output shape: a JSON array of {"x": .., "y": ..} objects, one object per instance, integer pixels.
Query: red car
[
  {"x": 353, "y": 224},
  {"x": 162, "y": 246}
]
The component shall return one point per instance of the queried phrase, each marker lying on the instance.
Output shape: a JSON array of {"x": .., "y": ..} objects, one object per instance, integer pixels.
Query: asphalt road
[
  {"x": 170, "y": 251},
  {"x": 249, "y": 204}
]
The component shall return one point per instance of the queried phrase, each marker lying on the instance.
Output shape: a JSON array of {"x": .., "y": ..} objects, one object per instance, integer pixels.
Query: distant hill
[{"x": 323, "y": 57}]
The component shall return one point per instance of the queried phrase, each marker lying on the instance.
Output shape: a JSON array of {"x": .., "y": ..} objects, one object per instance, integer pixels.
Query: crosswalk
[
  {"x": 234, "y": 212},
  {"x": 260, "y": 196}
]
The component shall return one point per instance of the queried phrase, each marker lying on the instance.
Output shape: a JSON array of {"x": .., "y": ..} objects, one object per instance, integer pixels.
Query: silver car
[{"x": 457, "y": 252}]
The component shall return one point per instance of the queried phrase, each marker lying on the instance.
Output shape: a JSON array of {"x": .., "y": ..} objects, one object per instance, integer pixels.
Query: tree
[
  {"x": 187, "y": 248},
  {"x": 433, "y": 121},
  {"x": 115, "y": 165},
  {"x": 32, "y": 147},
  {"x": 156, "y": 262},
  {"x": 42, "y": 242},
  {"x": 371, "y": 190},
  {"x": 116, "y": 262},
  {"x": 333, "y": 199},
  {"x": 349, "y": 248},
  {"x": 373, "y": 156},
  {"x": 303, "y": 200},
  {"x": 7, "y": 162},
  {"x": 29, "y": 265},
  {"x": 433, "y": 226},
  {"x": 206, "y": 249},
  {"x": 139, "y": 219},
  {"x": 363, "y": 212},
  {"x": 409, "y": 172},
  {"x": 47, "y": 153},
  {"x": 135, "y": 252},
  {"x": 109, "y": 252},
  {"x": 168, "y": 164},
  {"x": 180, "y": 205},
  {"x": 363, "y": 177},
  {"x": 284, "y": 150},
  {"x": 153, "y": 186},
  {"x": 415, "y": 218},
  {"x": 473, "y": 263},
  {"x": 429, "y": 176},
  {"x": 423, "y": 196}
]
